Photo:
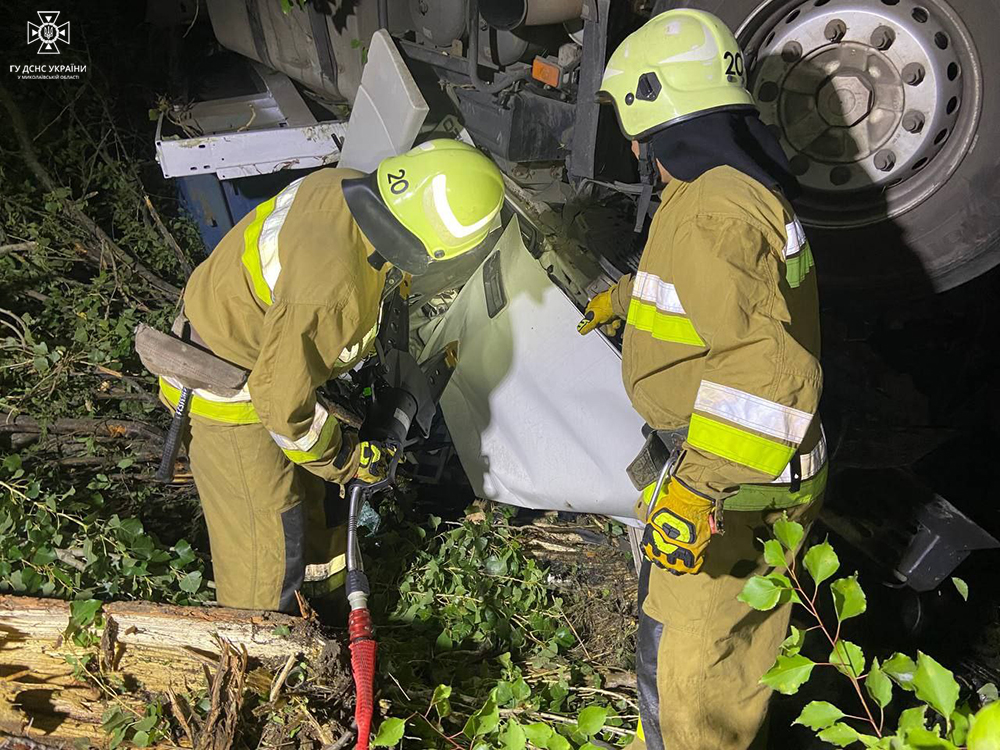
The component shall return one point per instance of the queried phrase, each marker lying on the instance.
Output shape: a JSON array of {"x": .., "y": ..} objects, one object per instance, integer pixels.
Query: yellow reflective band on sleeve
[
  {"x": 324, "y": 571},
  {"x": 638, "y": 731},
  {"x": 318, "y": 448},
  {"x": 738, "y": 445},
  {"x": 662, "y": 326},
  {"x": 251, "y": 253},
  {"x": 229, "y": 412},
  {"x": 797, "y": 266}
]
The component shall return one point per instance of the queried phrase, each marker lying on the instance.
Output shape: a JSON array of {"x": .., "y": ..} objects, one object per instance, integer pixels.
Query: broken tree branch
[
  {"x": 17, "y": 247},
  {"x": 22, "y": 423},
  {"x": 30, "y": 158},
  {"x": 168, "y": 237}
]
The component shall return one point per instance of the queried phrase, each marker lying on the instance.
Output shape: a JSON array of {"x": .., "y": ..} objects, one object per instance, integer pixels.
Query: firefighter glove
[
  {"x": 678, "y": 527},
  {"x": 373, "y": 462},
  {"x": 598, "y": 313}
]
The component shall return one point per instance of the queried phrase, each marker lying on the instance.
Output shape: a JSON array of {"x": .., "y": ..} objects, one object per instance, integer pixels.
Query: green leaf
[
  {"x": 789, "y": 533},
  {"x": 879, "y": 686},
  {"x": 988, "y": 693},
  {"x": 848, "y": 658},
  {"x": 985, "y": 731},
  {"x": 591, "y": 719},
  {"x": 793, "y": 643},
  {"x": 935, "y": 685},
  {"x": 960, "y": 722},
  {"x": 839, "y": 734},
  {"x": 911, "y": 718},
  {"x": 788, "y": 673},
  {"x": 82, "y": 613},
  {"x": 440, "y": 702},
  {"x": 901, "y": 668},
  {"x": 513, "y": 737},
  {"x": 848, "y": 598},
  {"x": 962, "y": 586},
  {"x": 390, "y": 732},
  {"x": 144, "y": 725},
  {"x": 819, "y": 715},
  {"x": 774, "y": 555},
  {"x": 444, "y": 642},
  {"x": 760, "y": 593},
  {"x": 558, "y": 742},
  {"x": 483, "y": 721},
  {"x": 821, "y": 562},
  {"x": 925, "y": 739},
  {"x": 141, "y": 739},
  {"x": 538, "y": 734},
  {"x": 191, "y": 582},
  {"x": 282, "y": 631}
]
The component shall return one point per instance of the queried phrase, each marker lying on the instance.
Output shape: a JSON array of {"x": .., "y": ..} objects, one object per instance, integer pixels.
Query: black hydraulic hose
[
  {"x": 383, "y": 14},
  {"x": 500, "y": 80}
]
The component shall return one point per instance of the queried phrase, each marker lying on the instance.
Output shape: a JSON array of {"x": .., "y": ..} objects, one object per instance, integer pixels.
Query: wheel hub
[{"x": 863, "y": 95}]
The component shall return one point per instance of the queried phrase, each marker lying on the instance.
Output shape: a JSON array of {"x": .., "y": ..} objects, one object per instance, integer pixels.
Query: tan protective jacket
[
  {"x": 722, "y": 335},
  {"x": 289, "y": 295}
]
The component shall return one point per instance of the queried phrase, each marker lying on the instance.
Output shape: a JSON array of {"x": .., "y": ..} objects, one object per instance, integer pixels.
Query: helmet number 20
[
  {"x": 735, "y": 66},
  {"x": 398, "y": 183}
]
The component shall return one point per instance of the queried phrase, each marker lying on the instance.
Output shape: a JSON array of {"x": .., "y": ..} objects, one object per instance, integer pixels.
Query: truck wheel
[{"x": 888, "y": 111}]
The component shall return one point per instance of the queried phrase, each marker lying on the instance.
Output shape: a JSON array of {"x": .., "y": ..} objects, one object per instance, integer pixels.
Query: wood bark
[{"x": 153, "y": 649}]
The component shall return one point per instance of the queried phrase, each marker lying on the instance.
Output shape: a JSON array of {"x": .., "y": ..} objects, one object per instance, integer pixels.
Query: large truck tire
[{"x": 917, "y": 207}]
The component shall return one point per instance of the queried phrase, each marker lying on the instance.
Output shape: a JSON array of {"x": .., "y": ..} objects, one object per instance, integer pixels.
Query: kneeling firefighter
[
  {"x": 292, "y": 295},
  {"x": 721, "y": 357}
]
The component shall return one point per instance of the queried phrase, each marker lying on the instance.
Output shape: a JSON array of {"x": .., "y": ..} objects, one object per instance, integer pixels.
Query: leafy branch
[{"x": 933, "y": 686}]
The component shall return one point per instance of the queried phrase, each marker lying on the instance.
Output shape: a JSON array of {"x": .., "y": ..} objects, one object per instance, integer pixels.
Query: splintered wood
[{"x": 154, "y": 650}]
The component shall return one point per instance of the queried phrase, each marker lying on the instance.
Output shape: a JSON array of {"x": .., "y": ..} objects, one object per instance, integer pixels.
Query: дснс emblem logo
[{"x": 48, "y": 32}]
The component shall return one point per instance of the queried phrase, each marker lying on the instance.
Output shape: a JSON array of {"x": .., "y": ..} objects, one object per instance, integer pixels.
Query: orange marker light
[{"x": 546, "y": 72}]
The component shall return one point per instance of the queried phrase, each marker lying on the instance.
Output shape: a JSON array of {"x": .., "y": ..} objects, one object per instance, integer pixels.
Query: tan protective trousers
[
  {"x": 268, "y": 519},
  {"x": 701, "y": 653}
]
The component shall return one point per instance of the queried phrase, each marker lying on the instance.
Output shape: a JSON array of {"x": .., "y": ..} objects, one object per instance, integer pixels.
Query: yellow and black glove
[
  {"x": 678, "y": 527},
  {"x": 599, "y": 312},
  {"x": 373, "y": 462}
]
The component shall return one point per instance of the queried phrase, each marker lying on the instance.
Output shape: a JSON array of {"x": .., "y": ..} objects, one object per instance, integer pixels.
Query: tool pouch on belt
[
  {"x": 660, "y": 447},
  {"x": 183, "y": 356}
]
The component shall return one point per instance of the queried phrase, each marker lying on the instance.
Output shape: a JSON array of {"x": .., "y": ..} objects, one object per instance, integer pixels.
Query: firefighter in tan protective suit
[
  {"x": 292, "y": 294},
  {"x": 721, "y": 349}
]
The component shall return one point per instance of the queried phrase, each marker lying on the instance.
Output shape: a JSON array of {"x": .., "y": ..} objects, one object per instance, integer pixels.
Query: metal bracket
[{"x": 244, "y": 136}]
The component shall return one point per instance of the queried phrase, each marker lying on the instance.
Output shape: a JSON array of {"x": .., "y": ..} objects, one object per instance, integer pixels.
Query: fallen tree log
[{"x": 154, "y": 650}]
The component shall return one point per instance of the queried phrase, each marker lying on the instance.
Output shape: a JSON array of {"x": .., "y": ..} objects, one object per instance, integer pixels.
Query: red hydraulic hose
[{"x": 363, "y": 649}]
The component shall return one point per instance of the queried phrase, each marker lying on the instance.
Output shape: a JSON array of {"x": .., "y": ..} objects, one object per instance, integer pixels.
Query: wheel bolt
[
  {"x": 913, "y": 73},
  {"x": 885, "y": 160},
  {"x": 791, "y": 52},
  {"x": 882, "y": 38},
  {"x": 913, "y": 121},
  {"x": 835, "y": 30}
]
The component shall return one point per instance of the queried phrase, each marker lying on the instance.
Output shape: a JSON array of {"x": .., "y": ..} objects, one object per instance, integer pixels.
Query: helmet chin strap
[{"x": 647, "y": 178}]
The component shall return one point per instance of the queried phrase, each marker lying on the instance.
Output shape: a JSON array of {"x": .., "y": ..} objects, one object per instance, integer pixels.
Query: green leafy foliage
[
  {"x": 962, "y": 587},
  {"x": 788, "y": 673},
  {"x": 848, "y": 598},
  {"x": 935, "y": 685},
  {"x": 819, "y": 715},
  {"x": 821, "y": 562},
  {"x": 789, "y": 533},
  {"x": 878, "y": 686},
  {"x": 929, "y": 682},
  {"x": 389, "y": 733},
  {"x": 472, "y": 614}
]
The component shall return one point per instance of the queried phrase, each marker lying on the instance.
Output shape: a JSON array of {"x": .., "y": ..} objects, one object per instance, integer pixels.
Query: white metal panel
[
  {"x": 538, "y": 413},
  {"x": 388, "y": 110}
]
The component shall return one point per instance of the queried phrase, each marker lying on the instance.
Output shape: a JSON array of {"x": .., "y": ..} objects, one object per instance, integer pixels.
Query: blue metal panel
[{"x": 218, "y": 205}]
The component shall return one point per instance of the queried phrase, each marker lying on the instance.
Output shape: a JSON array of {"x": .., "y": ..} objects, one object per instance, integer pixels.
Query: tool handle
[{"x": 173, "y": 442}]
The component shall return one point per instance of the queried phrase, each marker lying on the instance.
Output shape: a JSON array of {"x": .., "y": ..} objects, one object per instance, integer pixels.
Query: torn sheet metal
[{"x": 538, "y": 413}]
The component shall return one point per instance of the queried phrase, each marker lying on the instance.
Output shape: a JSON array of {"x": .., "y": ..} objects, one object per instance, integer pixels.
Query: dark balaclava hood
[{"x": 737, "y": 139}]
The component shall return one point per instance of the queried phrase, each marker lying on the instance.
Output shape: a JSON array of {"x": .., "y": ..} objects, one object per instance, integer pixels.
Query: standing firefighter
[
  {"x": 720, "y": 355},
  {"x": 292, "y": 295}
]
